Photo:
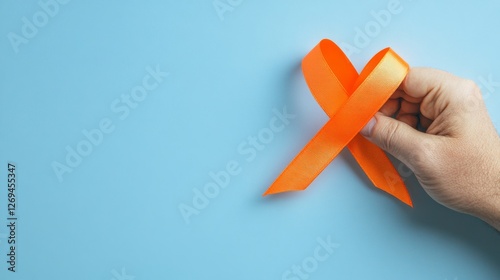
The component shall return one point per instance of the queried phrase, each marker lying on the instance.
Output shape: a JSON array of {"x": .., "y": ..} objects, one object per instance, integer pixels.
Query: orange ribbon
[{"x": 350, "y": 100}]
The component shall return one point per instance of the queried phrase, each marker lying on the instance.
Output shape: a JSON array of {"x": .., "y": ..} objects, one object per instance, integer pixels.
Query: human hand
[{"x": 441, "y": 130}]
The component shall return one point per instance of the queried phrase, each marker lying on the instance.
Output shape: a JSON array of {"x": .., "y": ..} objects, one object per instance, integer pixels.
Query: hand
[{"x": 437, "y": 124}]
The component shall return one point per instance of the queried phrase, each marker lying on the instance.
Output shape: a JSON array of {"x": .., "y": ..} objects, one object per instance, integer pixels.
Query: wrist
[
  {"x": 491, "y": 209},
  {"x": 492, "y": 217}
]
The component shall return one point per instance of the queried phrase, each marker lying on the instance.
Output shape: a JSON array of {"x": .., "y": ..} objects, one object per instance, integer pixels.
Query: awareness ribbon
[{"x": 350, "y": 100}]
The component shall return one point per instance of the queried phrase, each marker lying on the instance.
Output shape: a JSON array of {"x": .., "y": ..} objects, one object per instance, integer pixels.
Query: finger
[
  {"x": 409, "y": 119},
  {"x": 431, "y": 86},
  {"x": 391, "y": 107},
  {"x": 397, "y": 94},
  {"x": 424, "y": 122},
  {"x": 395, "y": 137},
  {"x": 400, "y": 93},
  {"x": 409, "y": 108}
]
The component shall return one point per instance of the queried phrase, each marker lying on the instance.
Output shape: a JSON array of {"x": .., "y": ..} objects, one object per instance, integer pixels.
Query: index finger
[{"x": 433, "y": 87}]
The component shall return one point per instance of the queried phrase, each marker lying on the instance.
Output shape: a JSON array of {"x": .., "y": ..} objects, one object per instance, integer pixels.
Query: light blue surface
[{"x": 117, "y": 213}]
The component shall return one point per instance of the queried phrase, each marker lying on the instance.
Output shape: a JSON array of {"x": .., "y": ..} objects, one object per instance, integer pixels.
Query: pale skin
[{"x": 438, "y": 125}]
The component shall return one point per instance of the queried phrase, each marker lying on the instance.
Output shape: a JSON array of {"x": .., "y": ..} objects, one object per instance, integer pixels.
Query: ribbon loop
[{"x": 350, "y": 100}]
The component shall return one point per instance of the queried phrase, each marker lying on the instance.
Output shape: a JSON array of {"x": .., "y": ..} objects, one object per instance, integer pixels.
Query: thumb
[{"x": 395, "y": 137}]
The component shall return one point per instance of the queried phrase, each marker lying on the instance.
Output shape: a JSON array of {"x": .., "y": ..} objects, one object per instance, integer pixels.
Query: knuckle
[
  {"x": 470, "y": 87},
  {"x": 470, "y": 94}
]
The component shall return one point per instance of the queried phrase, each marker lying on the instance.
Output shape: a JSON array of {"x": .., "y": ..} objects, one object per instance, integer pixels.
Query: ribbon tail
[{"x": 379, "y": 168}]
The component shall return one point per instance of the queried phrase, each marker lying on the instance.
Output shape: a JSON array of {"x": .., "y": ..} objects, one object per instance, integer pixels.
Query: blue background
[{"x": 118, "y": 211}]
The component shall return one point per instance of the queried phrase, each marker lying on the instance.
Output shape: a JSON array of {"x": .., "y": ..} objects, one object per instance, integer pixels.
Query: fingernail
[{"x": 367, "y": 130}]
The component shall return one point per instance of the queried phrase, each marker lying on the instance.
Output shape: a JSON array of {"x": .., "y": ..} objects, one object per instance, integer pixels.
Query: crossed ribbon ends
[{"x": 350, "y": 100}]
